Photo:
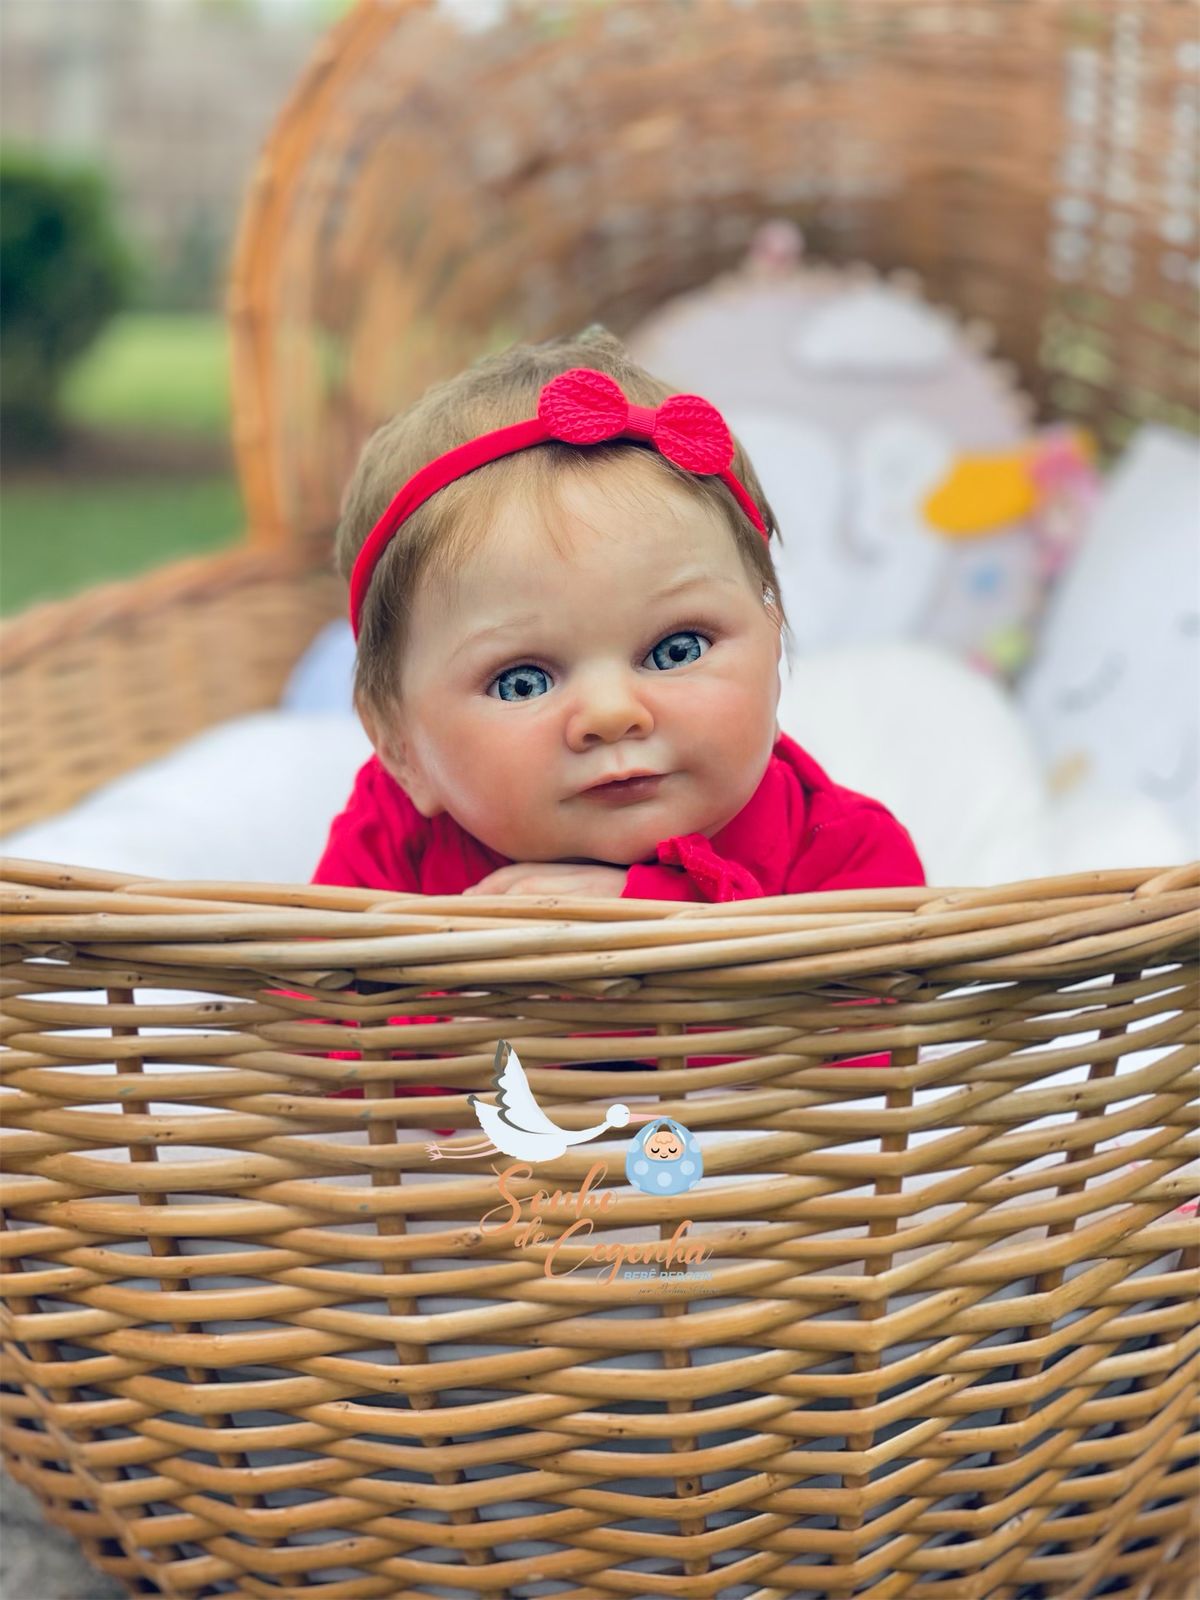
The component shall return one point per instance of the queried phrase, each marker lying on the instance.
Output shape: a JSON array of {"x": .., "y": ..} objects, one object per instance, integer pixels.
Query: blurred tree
[
  {"x": 192, "y": 279},
  {"x": 64, "y": 271}
]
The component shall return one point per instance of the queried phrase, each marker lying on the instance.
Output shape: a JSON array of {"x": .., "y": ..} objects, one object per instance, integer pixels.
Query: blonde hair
[{"x": 441, "y": 535}]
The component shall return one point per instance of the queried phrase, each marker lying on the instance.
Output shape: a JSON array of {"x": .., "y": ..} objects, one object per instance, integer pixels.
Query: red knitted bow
[{"x": 584, "y": 407}]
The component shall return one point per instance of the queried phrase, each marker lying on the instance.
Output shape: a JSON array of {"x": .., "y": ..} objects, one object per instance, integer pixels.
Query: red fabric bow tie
[{"x": 585, "y": 407}]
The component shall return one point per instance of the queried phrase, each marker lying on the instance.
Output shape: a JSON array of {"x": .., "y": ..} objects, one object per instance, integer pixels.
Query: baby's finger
[{"x": 494, "y": 880}]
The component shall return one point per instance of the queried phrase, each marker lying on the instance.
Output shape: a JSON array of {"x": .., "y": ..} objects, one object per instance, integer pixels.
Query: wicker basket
[{"x": 942, "y": 1343}]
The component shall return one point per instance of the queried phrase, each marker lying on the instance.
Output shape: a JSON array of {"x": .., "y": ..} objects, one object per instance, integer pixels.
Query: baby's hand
[{"x": 553, "y": 877}]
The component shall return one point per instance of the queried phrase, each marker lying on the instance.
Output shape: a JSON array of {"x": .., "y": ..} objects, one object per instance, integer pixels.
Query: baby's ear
[{"x": 386, "y": 733}]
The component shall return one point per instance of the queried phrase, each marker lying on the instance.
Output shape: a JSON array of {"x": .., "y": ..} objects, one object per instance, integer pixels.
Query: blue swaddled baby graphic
[{"x": 664, "y": 1158}]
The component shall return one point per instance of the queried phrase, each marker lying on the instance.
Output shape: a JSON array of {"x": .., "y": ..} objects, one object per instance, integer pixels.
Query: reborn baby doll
[
  {"x": 568, "y": 641},
  {"x": 569, "y": 631}
]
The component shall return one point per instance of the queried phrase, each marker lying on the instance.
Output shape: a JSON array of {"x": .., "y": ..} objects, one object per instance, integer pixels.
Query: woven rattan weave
[
  {"x": 258, "y": 1341},
  {"x": 942, "y": 1342}
]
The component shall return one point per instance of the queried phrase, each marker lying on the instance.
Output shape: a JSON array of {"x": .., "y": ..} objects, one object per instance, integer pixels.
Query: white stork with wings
[{"x": 518, "y": 1126}]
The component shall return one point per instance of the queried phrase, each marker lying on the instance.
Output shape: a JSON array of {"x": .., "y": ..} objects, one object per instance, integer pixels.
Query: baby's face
[
  {"x": 663, "y": 1146},
  {"x": 644, "y": 648}
]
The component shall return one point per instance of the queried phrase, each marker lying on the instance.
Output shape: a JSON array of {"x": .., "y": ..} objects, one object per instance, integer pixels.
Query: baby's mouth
[{"x": 626, "y": 789}]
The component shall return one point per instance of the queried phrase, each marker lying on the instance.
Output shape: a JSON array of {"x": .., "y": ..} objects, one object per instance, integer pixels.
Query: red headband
[{"x": 579, "y": 407}]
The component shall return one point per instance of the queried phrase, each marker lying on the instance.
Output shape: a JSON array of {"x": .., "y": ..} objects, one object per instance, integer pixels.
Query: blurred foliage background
[{"x": 128, "y": 132}]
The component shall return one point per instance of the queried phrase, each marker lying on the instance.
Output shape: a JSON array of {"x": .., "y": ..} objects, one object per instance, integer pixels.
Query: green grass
[
  {"x": 156, "y": 376},
  {"x": 56, "y": 540},
  {"x": 155, "y": 373}
]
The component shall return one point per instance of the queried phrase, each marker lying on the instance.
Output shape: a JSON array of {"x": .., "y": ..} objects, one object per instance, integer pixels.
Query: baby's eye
[
  {"x": 677, "y": 649},
  {"x": 520, "y": 683}
]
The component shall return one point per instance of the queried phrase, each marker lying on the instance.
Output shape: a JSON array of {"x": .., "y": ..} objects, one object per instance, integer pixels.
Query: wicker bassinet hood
[{"x": 450, "y": 177}]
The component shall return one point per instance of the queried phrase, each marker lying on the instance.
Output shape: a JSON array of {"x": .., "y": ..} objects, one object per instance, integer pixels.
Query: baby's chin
[{"x": 619, "y": 839}]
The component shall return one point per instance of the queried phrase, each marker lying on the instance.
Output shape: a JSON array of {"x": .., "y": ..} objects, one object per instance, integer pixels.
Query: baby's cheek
[
  {"x": 745, "y": 686},
  {"x": 476, "y": 758},
  {"x": 735, "y": 722},
  {"x": 497, "y": 807},
  {"x": 503, "y": 804}
]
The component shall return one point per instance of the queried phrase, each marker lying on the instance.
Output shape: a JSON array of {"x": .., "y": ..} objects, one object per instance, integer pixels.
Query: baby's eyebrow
[
  {"x": 689, "y": 580},
  {"x": 692, "y": 580},
  {"x": 493, "y": 628}
]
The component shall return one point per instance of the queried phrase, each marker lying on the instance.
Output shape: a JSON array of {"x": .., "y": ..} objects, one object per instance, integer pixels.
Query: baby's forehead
[{"x": 589, "y": 540}]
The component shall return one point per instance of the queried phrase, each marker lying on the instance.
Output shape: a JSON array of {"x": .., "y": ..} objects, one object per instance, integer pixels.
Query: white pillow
[
  {"x": 945, "y": 748},
  {"x": 937, "y": 742},
  {"x": 1114, "y": 695},
  {"x": 248, "y": 801}
]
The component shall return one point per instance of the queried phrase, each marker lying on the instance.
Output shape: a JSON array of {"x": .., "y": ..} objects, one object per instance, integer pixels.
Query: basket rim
[
  {"x": 192, "y": 578},
  {"x": 1076, "y": 925}
]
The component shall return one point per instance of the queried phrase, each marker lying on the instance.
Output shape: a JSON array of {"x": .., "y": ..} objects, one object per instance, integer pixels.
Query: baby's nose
[{"x": 608, "y": 707}]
